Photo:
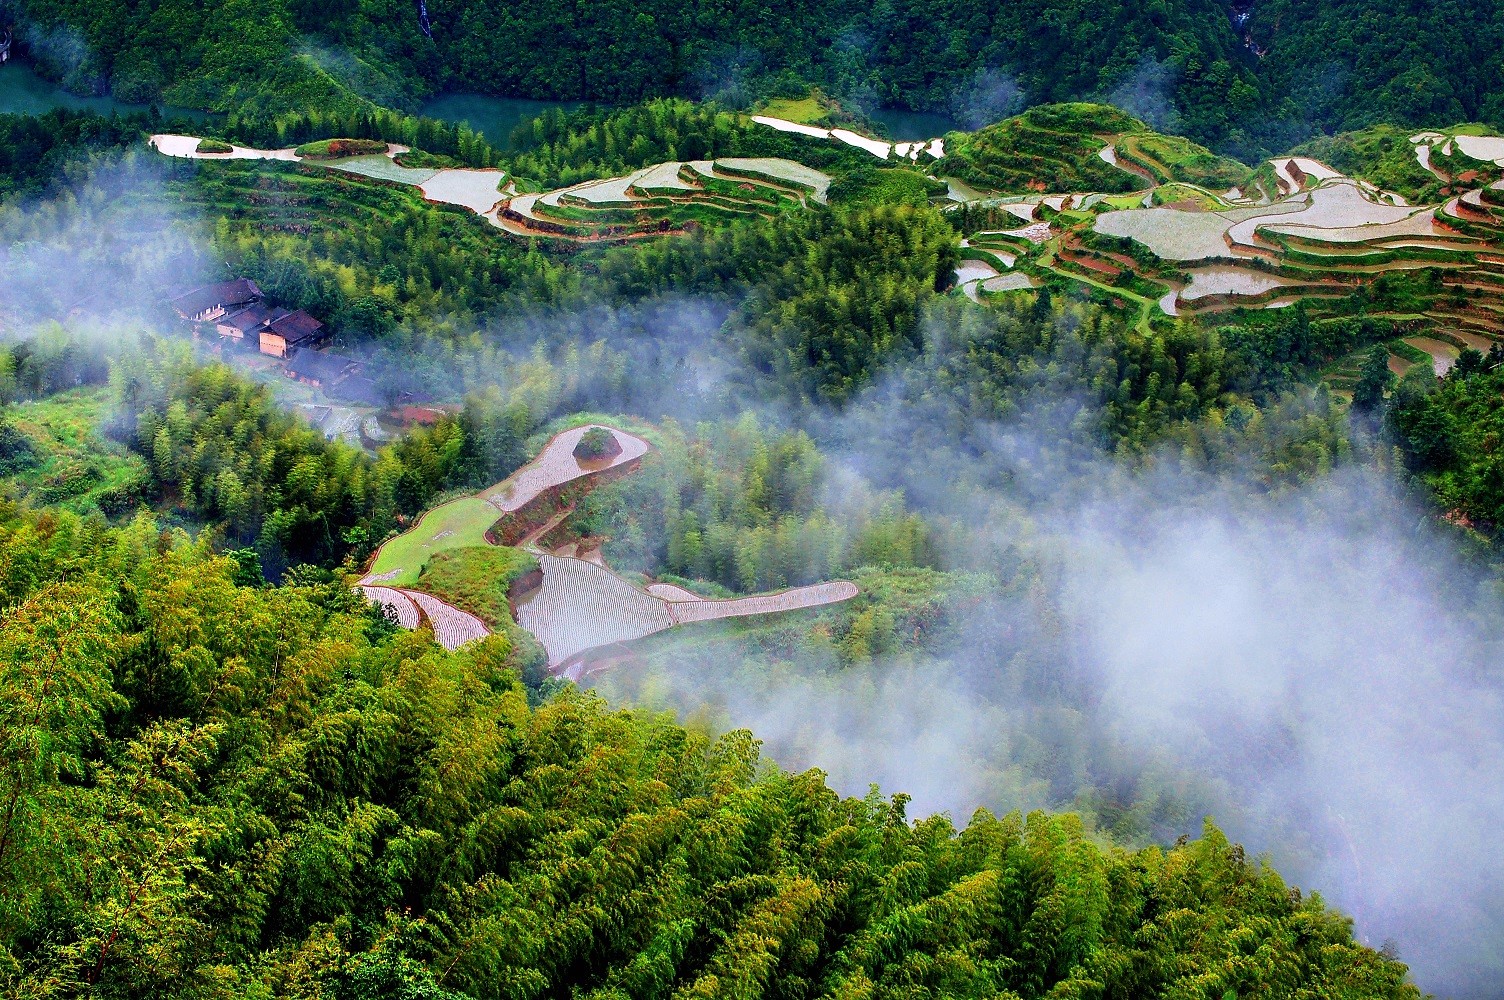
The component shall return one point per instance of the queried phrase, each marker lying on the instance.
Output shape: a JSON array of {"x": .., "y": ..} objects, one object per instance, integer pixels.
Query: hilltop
[{"x": 1081, "y": 147}]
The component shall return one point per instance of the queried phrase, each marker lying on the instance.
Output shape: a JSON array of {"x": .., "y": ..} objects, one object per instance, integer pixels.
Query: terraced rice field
[
  {"x": 1229, "y": 280},
  {"x": 454, "y": 525},
  {"x": 556, "y": 465},
  {"x": 1323, "y": 238},
  {"x": 960, "y": 191},
  {"x": 781, "y": 170},
  {"x": 452, "y": 628},
  {"x": 971, "y": 270},
  {"x": 671, "y": 592},
  {"x": 789, "y": 600},
  {"x": 1297, "y": 172},
  {"x": 663, "y": 198},
  {"x": 402, "y": 605},
  {"x": 582, "y": 606},
  {"x": 1039, "y": 232},
  {"x": 579, "y": 604},
  {"x": 1488, "y": 148},
  {"x": 382, "y": 168},
  {"x": 796, "y": 128},
  {"x": 1443, "y": 355},
  {"x": 877, "y": 147},
  {"x": 477, "y": 190},
  {"x": 1007, "y": 283},
  {"x": 971, "y": 274},
  {"x": 1176, "y": 234},
  {"x": 1336, "y": 207},
  {"x": 186, "y": 147}
]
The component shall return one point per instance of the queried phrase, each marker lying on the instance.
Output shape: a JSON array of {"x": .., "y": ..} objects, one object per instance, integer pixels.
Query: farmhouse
[
  {"x": 246, "y": 322},
  {"x": 284, "y": 335},
  {"x": 359, "y": 390},
  {"x": 319, "y": 369},
  {"x": 212, "y": 302}
]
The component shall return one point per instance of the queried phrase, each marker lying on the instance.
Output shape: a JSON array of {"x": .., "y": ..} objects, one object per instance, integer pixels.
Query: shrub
[{"x": 595, "y": 443}]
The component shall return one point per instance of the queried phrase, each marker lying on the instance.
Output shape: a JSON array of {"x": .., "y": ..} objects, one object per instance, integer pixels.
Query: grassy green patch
[
  {"x": 214, "y": 146},
  {"x": 476, "y": 578},
  {"x": 1054, "y": 146},
  {"x": 458, "y": 524},
  {"x": 57, "y": 456},
  {"x": 1174, "y": 158},
  {"x": 418, "y": 159},
  {"x": 885, "y": 186},
  {"x": 334, "y": 149},
  {"x": 1175, "y": 193},
  {"x": 805, "y": 110}
]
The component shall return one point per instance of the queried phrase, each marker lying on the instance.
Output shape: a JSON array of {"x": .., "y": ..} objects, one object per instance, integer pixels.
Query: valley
[{"x": 783, "y": 501}]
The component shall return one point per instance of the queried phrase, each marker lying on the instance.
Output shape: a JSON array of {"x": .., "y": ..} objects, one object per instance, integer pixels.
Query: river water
[
  {"x": 492, "y": 117},
  {"x": 913, "y": 126},
  {"x": 23, "y": 92}
]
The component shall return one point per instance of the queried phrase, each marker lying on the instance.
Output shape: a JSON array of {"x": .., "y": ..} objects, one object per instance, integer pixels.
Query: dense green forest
[
  {"x": 1182, "y": 64},
  {"x": 1346, "y": 64},
  {"x": 736, "y": 505},
  {"x": 1449, "y": 431},
  {"x": 216, "y": 790}
]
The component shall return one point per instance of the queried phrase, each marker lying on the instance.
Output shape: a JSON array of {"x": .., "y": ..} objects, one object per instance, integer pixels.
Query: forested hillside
[
  {"x": 1345, "y": 64},
  {"x": 213, "y": 790},
  {"x": 1181, "y": 64}
]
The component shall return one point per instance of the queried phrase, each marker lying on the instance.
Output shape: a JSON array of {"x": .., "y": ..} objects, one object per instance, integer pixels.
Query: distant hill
[
  {"x": 1345, "y": 64},
  {"x": 1063, "y": 147},
  {"x": 975, "y": 64},
  {"x": 1249, "y": 85}
]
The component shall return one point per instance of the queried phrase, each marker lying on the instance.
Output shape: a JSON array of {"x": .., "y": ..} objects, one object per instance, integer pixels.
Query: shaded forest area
[{"x": 1182, "y": 65}]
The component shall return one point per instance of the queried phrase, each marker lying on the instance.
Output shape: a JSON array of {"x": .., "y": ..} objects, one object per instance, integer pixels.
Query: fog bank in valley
[{"x": 1315, "y": 669}]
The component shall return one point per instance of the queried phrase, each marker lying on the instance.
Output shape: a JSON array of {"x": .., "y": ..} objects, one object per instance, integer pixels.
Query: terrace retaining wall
[{"x": 514, "y": 526}]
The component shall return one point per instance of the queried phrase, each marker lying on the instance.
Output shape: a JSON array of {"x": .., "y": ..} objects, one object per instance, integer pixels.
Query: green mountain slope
[
  {"x": 1293, "y": 69},
  {"x": 1061, "y": 147},
  {"x": 1345, "y": 64},
  {"x": 975, "y": 64},
  {"x": 219, "y": 791}
]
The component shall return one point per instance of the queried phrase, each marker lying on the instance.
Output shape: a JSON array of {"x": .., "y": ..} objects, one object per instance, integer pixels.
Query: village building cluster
[{"x": 239, "y": 314}]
